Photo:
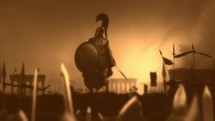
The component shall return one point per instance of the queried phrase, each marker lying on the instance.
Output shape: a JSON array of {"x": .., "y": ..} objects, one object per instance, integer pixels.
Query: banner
[{"x": 153, "y": 77}]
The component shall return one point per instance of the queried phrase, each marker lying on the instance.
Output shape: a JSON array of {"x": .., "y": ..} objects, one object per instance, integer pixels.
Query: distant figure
[
  {"x": 97, "y": 77},
  {"x": 94, "y": 59}
]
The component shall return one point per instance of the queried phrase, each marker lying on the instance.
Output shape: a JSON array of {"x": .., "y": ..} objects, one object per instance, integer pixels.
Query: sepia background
[{"x": 45, "y": 33}]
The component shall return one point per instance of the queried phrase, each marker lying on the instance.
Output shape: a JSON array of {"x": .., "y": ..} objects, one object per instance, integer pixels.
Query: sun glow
[
  {"x": 139, "y": 54},
  {"x": 139, "y": 62}
]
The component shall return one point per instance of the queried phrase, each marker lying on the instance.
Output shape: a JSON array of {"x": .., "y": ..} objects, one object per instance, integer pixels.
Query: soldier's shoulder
[{"x": 91, "y": 40}]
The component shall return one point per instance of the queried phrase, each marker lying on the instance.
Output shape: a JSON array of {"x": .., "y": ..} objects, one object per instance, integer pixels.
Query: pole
[
  {"x": 33, "y": 114},
  {"x": 164, "y": 69},
  {"x": 173, "y": 53},
  {"x": 121, "y": 73},
  {"x": 193, "y": 64}
]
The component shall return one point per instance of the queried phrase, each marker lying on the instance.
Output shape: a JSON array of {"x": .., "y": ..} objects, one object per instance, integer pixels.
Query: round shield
[{"x": 86, "y": 57}]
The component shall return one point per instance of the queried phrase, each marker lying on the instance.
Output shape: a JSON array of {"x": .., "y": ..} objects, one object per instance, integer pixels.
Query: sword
[{"x": 121, "y": 73}]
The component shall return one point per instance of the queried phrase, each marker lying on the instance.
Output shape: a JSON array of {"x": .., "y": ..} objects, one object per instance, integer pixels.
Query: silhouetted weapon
[
  {"x": 131, "y": 111},
  {"x": 193, "y": 53},
  {"x": 164, "y": 68},
  {"x": 26, "y": 86},
  {"x": 207, "y": 105},
  {"x": 121, "y": 73},
  {"x": 105, "y": 21},
  {"x": 183, "y": 54},
  {"x": 18, "y": 116},
  {"x": 179, "y": 105},
  {"x": 173, "y": 58},
  {"x": 69, "y": 109},
  {"x": 203, "y": 54},
  {"x": 33, "y": 109},
  {"x": 3, "y": 76},
  {"x": 189, "y": 52}
]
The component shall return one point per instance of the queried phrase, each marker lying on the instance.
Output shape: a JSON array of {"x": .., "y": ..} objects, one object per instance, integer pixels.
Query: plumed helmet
[{"x": 99, "y": 32}]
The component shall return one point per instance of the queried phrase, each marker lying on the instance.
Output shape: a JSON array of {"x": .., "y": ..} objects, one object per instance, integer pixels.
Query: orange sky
[{"x": 46, "y": 33}]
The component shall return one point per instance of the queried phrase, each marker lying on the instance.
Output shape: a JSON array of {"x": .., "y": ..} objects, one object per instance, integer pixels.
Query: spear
[
  {"x": 194, "y": 113},
  {"x": 179, "y": 107},
  {"x": 121, "y": 73},
  {"x": 69, "y": 109},
  {"x": 131, "y": 111},
  {"x": 33, "y": 113},
  {"x": 3, "y": 77},
  {"x": 173, "y": 54},
  {"x": 207, "y": 105},
  {"x": 164, "y": 68}
]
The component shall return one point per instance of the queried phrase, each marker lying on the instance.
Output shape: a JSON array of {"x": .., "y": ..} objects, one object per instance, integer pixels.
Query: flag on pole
[
  {"x": 22, "y": 74},
  {"x": 164, "y": 72},
  {"x": 22, "y": 79},
  {"x": 153, "y": 77},
  {"x": 167, "y": 61}
]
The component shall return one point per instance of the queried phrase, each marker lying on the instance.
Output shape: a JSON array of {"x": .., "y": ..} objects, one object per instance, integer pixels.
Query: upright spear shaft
[
  {"x": 173, "y": 53},
  {"x": 67, "y": 96},
  {"x": 193, "y": 64},
  {"x": 33, "y": 114}
]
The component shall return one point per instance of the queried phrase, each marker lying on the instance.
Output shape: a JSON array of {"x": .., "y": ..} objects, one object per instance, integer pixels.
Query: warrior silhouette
[{"x": 94, "y": 59}]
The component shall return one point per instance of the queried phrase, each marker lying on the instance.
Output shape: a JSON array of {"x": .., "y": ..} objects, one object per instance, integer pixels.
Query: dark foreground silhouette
[{"x": 51, "y": 107}]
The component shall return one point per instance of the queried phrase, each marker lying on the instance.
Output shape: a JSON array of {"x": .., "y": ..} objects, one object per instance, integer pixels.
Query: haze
[{"x": 45, "y": 33}]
